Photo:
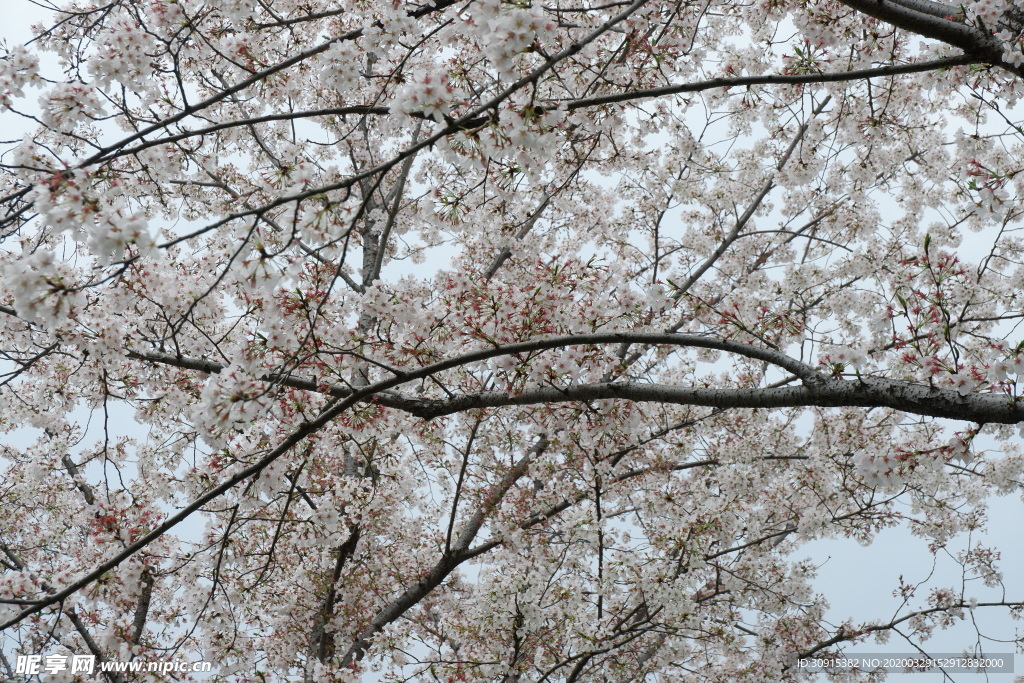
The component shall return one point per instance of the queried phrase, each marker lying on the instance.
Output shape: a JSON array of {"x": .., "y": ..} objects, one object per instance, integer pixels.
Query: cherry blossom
[{"x": 503, "y": 340}]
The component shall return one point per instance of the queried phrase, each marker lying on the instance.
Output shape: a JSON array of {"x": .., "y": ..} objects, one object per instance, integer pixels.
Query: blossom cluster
[
  {"x": 845, "y": 360},
  {"x": 67, "y": 105},
  {"x": 106, "y": 223},
  {"x": 44, "y": 289},
  {"x": 427, "y": 94},
  {"x": 505, "y": 32},
  {"x": 18, "y": 68}
]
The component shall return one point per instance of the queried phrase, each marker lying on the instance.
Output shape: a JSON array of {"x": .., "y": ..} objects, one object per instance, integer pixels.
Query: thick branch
[
  {"x": 866, "y": 392},
  {"x": 94, "y": 648},
  {"x": 975, "y": 42},
  {"x": 936, "y": 9},
  {"x": 142, "y": 610}
]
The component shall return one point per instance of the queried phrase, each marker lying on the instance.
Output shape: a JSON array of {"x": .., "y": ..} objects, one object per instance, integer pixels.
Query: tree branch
[
  {"x": 775, "y": 79},
  {"x": 450, "y": 559},
  {"x": 777, "y": 358},
  {"x": 977, "y": 43},
  {"x": 936, "y": 9},
  {"x": 865, "y": 392}
]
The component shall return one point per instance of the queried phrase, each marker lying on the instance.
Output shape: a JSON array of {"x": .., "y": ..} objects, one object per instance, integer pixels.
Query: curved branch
[
  {"x": 747, "y": 81},
  {"x": 817, "y": 391},
  {"x": 924, "y": 22},
  {"x": 802, "y": 370}
]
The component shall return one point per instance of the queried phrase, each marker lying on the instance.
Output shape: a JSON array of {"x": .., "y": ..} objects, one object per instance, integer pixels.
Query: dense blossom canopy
[{"x": 490, "y": 340}]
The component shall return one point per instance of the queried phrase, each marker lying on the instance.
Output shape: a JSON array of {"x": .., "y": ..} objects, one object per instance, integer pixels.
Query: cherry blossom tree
[{"x": 501, "y": 340}]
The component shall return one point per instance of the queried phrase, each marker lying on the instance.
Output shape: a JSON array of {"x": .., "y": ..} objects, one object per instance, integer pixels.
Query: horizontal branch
[
  {"x": 359, "y": 109},
  {"x": 864, "y": 392},
  {"x": 777, "y": 79},
  {"x": 697, "y": 86},
  {"x": 816, "y": 391},
  {"x": 747, "y": 81}
]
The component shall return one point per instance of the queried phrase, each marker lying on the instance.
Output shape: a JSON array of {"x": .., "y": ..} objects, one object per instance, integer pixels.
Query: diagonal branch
[
  {"x": 450, "y": 559},
  {"x": 257, "y": 77}
]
